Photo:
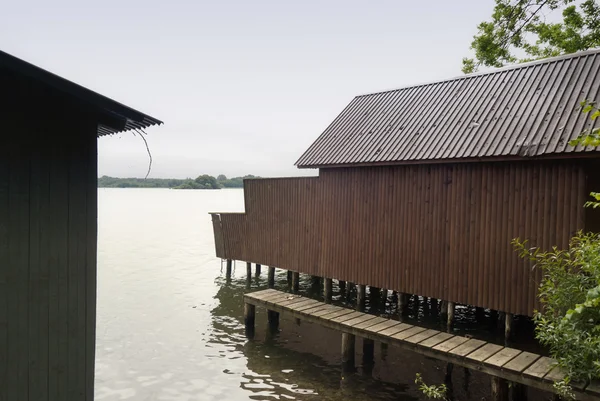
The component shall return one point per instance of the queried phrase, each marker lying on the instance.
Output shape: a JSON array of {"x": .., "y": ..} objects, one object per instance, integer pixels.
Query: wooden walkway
[{"x": 504, "y": 362}]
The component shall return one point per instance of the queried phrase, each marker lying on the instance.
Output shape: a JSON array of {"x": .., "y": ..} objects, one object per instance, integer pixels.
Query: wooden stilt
[
  {"x": 479, "y": 314},
  {"x": 368, "y": 351},
  {"x": 402, "y": 304},
  {"x": 228, "y": 268},
  {"x": 435, "y": 306},
  {"x": 348, "y": 341},
  {"x": 342, "y": 285},
  {"x": 295, "y": 281},
  {"x": 289, "y": 278},
  {"x": 384, "y": 296},
  {"x": 272, "y": 317},
  {"x": 327, "y": 289},
  {"x": 360, "y": 297},
  {"x": 374, "y": 295},
  {"x": 450, "y": 313},
  {"x": 499, "y": 389},
  {"x": 257, "y": 269},
  {"x": 271, "y": 277},
  {"x": 508, "y": 324},
  {"x": 518, "y": 392},
  {"x": 248, "y": 270},
  {"x": 444, "y": 309},
  {"x": 249, "y": 317}
]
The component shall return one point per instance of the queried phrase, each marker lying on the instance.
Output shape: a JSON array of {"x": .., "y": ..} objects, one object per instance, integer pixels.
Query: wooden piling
[
  {"x": 348, "y": 341},
  {"x": 257, "y": 269},
  {"x": 479, "y": 314},
  {"x": 327, "y": 289},
  {"x": 499, "y": 389},
  {"x": 402, "y": 304},
  {"x": 249, "y": 318},
  {"x": 248, "y": 270},
  {"x": 289, "y": 278},
  {"x": 295, "y": 281},
  {"x": 374, "y": 295},
  {"x": 228, "y": 268},
  {"x": 368, "y": 352},
  {"x": 342, "y": 285},
  {"x": 508, "y": 324},
  {"x": 450, "y": 314},
  {"x": 360, "y": 297},
  {"x": 271, "y": 277},
  {"x": 273, "y": 317}
]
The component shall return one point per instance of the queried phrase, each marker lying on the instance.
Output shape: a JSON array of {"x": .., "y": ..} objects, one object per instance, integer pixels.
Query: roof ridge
[{"x": 516, "y": 66}]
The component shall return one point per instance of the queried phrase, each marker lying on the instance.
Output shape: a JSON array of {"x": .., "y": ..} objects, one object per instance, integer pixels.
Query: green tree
[
  {"x": 222, "y": 177},
  {"x": 569, "y": 322},
  {"x": 520, "y": 27},
  {"x": 207, "y": 182}
]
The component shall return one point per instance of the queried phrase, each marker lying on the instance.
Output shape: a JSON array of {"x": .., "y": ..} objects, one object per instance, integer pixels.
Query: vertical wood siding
[
  {"x": 440, "y": 231},
  {"x": 47, "y": 261}
]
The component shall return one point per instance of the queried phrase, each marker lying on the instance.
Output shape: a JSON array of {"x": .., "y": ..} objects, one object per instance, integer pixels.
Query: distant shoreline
[{"x": 201, "y": 182}]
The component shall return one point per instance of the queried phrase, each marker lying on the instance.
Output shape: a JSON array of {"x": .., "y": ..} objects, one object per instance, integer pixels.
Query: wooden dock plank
[
  {"x": 397, "y": 328},
  {"x": 467, "y": 347},
  {"x": 343, "y": 318},
  {"x": 521, "y": 362},
  {"x": 370, "y": 323},
  {"x": 539, "y": 369},
  {"x": 334, "y": 314},
  {"x": 326, "y": 310},
  {"x": 483, "y": 353},
  {"x": 435, "y": 340},
  {"x": 261, "y": 295},
  {"x": 315, "y": 309},
  {"x": 382, "y": 326},
  {"x": 450, "y": 344},
  {"x": 593, "y": 388},
  {"x": 502, "y": 357},
  {"x": 290, "y": 301},
  {"x": 508, "y": 363},
  {"x": 307, "y": 303},
  {"x": 358, "y": 320},
  {"x": 422, "y": 336},
  {"x": 554, "y": 375},
  {"x": 409, "y": 332}
]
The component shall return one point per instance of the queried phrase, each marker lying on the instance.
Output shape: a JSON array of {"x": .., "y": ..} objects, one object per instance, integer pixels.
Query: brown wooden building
[
  {"x": 48, "y": 225},
  {"x": 422, "y": 189}
]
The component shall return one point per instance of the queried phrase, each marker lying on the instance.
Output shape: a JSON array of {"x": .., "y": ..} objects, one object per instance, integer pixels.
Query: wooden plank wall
[
  {"x": 440, "y": 231},
  {"x": 48, "y": 225}
]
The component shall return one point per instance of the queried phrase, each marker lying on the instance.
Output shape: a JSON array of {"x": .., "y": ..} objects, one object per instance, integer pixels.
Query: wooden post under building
[
  {"x": 271, "y": 277},
  {"x": 327, "y": 289},
  {"x": 295, "y": 281},
  {"x": 228, "y": 268},
  {"x": 258, "y": 269}
]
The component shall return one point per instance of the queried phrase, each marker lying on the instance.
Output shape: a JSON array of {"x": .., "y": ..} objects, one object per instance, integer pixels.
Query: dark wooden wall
[
  {"x": 48, "y": 224},
  {"x": 440, "y": 231}
]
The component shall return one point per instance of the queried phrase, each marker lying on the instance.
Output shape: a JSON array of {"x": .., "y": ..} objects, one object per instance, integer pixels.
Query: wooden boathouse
[
  {"x": 421, "y": 189},
  {"x": 48, "y": 225}
]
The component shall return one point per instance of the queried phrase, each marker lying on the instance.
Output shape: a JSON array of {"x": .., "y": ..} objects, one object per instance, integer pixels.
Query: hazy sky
[{"x": 243, "y": 87}]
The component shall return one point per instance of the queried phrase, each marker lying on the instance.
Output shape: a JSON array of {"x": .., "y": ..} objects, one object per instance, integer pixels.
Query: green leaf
[
  {"x": 595, "y": 115},
  {"x": 587, "y": 108}
]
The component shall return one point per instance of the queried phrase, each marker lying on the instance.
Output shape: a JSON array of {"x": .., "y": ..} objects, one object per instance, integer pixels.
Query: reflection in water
[{"x": 170, "y": 324}]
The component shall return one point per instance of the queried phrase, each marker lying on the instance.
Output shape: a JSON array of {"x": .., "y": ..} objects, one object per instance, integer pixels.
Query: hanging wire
[{"x": 142, "y": 135}]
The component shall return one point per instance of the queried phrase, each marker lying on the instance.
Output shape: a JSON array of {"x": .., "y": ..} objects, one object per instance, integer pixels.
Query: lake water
[{"x": 170, "y": 324}]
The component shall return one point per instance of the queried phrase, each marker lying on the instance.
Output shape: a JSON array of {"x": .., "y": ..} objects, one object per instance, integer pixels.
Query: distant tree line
[{"x": 201, "y": 182}]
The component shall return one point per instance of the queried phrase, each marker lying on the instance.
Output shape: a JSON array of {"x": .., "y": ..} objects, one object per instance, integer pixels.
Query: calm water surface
[{"x": 170, "y": 324}]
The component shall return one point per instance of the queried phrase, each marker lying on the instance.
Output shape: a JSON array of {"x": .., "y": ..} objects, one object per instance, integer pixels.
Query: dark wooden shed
[
  {"x": 422, "y": 189},
  {"x": 48, "y": 224}
]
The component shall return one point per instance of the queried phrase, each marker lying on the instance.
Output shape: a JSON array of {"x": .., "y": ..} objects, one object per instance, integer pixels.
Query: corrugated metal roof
[
  {"x": 122, "y": 118},
  {"x": 523, "y": 111}
]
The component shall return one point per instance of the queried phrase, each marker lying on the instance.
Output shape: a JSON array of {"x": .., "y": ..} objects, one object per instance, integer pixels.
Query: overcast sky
[{"x": 243, "y": 87}]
